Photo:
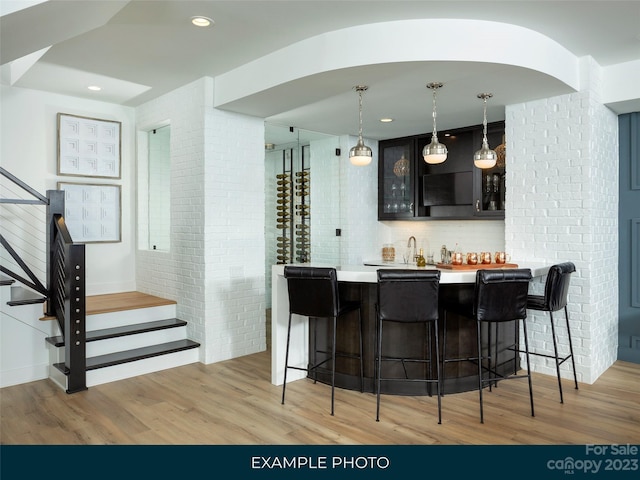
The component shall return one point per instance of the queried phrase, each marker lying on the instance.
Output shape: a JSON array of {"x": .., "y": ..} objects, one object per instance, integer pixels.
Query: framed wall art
[
  {"x": 88, "y": 147},
  {"x": 92, "y": 212}
]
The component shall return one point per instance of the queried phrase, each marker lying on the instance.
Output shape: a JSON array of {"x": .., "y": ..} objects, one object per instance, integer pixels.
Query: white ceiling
[{"x": 139, "y": 50}]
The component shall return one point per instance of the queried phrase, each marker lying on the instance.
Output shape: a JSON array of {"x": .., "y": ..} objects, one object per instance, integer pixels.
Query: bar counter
[{"x": 359, "y": 282}]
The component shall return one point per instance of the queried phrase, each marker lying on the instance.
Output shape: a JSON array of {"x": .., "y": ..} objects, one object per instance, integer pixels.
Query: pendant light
[
  {"x": 435, "y": 152},
  {"x": 485, "y": 157},
  {"x": 360, "y": 155}
]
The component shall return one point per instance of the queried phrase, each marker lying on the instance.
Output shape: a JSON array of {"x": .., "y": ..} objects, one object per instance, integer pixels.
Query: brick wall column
[
  {"x": 215, "y": 266},
  {"x": 562, "y": 184}
]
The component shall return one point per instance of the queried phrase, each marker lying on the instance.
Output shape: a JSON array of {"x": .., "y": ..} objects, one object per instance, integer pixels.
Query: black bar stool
[
  {"x": 499, "y": 296},
  {"x": 409, "y": 296},
  {"x": 555, "y": 298},
  {"x": 313, "y": 292}
]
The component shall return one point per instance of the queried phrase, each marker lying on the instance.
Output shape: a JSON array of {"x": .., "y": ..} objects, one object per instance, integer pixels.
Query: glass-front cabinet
[
  {"x": 409, "y": 188},
  {"x": 396, "y": 179},
  {"x": 489, "y": 183}
]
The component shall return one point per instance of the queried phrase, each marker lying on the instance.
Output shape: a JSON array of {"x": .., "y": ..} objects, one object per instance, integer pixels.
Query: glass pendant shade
[
  {"x": 485, "y": 157},
  {"x": 360, "y": 155},
  {"x": 435, "y": 152}
]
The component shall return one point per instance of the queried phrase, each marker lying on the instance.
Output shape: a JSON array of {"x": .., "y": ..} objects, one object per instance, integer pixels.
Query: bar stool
[
  {"x": 313, "y": 292},
  {"x": 409, "y": 296},
  {"x": 499, "y": 296},
  {"x": 554, "y": 299}
]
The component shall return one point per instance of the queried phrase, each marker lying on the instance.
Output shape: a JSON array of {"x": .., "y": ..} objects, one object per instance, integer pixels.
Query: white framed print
[
  {"x": 92, "y": 212},
  {"x": 88, "y": 147}
]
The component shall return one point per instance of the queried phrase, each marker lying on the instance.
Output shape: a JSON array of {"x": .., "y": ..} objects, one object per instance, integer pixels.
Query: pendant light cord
[
  {"x": 435, "y": 131},
  {"x": 485, "y": 142},
  {"x": 360, "y": 116}
]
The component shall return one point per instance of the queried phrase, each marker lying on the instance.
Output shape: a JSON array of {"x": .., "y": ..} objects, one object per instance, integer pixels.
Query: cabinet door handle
[{"x": 477, "y": 205}]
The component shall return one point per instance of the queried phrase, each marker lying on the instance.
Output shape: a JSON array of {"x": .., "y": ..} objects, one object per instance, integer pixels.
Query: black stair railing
[
  {"x": 68, "y": 301},
  {"x": 34, "y": 283},
  {"x": 65, "y": 292}
]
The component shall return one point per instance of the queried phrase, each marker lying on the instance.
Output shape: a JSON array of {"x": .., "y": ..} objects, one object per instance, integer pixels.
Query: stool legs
[
  {"x": 479, "y": 341},
  {"x": 526, "y": 349},
  {"x": 333, "y": 365},
  {"x": 557, "y": 357},
  {"x": 333, "y": 359},
  {"x": 573, "y": 362},
  {"x": 286, "y": 359},
  {"x": 431, "y": 361},
  {"x": 437, "y": 362},
  {"x": 491, "y": 380},
  {"x": 378, "y": 368},
  {"x": 555, "y": 354}
]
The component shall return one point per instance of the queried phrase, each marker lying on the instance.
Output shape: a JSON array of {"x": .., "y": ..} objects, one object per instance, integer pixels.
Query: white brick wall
[
  {"x": 359, "y": 203},
  {"x": 214, "y": 268},
  {"x": 561, "y": 205},
  {"x": 325, "y": 200},
  {"x": 234, "y": 229}
]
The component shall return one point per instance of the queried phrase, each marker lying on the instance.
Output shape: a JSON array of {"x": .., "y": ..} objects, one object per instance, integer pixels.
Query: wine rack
[
  {"x": 302, "y": 216},
  {"x": 293, "y": 212},
  {"x": 283, "y": 217}
]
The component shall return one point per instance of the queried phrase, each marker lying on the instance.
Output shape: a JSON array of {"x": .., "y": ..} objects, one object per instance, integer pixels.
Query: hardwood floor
[{"x": 234, "y": 403}]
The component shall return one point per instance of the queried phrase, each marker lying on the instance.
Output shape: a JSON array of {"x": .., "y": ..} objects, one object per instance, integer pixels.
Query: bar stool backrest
[
  {"x": 501, "y": 295},
  {"x": 408, "y": 295},
  {"x": 557, "y": 286},
  {"x": 313, "y": 291}
]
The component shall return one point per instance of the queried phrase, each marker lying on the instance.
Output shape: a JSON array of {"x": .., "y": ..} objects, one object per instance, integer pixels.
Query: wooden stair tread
[
  {"x": 122, "y": 331},
  {"x": 5, "y": 280},
  {"x": 127, "y": 356},
  {"x": 116, "y": 302}
]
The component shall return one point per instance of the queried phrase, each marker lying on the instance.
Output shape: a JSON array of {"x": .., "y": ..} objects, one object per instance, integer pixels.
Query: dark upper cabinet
[
  {"x": 489, "y": 184},
  {"x": 409, "y": 188},
  {"x": 397, "y": 179}
]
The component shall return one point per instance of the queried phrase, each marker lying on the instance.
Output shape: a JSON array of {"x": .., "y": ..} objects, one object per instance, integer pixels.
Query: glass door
[{"x": 396, "y": 180}]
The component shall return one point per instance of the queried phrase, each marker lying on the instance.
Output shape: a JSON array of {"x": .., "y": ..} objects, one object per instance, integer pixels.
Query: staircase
[{"x": 128, "y": 334}]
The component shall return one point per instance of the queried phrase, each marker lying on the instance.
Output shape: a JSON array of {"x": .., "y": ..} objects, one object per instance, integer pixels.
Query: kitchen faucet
[{"x": 411, "y": 255}]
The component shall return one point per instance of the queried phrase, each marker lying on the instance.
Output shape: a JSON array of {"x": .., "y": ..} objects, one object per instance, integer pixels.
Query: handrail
[
  {"x": 41, "y": 199},
  {"x": 35, "y": 283},
  {"x": 68, "y": 301}
]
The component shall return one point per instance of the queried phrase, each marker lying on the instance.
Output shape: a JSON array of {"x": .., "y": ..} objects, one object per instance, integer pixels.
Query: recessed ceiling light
[
  {"x": 201, "y": 21},
  {"x": 386, "y": 120},
  {"x": 94, "y": 88}
]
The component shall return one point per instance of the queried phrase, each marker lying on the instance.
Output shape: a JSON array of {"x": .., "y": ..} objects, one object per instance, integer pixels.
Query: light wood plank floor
[{"x": 234, "y": 403}]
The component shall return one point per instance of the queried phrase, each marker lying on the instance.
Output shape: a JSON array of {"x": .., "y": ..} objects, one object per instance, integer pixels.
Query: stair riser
[
  {"x": 128, "y": 342},
  {"x": 30, "y": 315},
  {"x": 129, "y": 317},
  {"x": 142, "y": 367},
  {"x": 131, "y": 369}
]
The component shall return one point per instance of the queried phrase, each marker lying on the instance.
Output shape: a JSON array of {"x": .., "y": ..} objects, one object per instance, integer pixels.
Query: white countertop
[{"x": 367, "y": 273}]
